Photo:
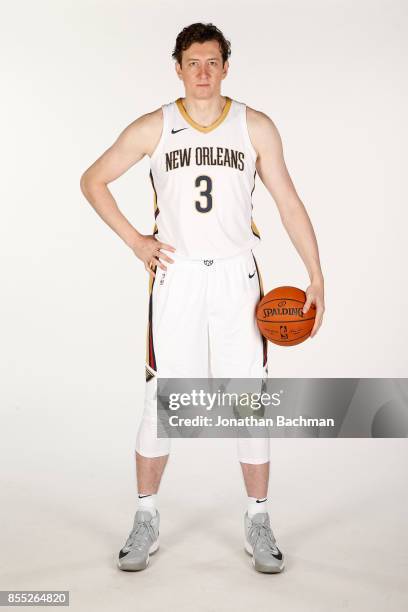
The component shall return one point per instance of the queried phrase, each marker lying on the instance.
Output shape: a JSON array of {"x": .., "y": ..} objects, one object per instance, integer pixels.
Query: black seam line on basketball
[
  {"x": 297, "y": 338},
  {"x": 282, "y": 298},
  {"x": 290, "y": 321}
]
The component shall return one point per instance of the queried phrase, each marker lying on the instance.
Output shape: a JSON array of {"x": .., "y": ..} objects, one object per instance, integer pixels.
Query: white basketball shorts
[{"x": 202, "y": 324}]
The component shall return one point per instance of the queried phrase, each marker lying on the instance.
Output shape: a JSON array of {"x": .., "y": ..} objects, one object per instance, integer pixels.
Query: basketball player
[{"x": 205, "y": 150}]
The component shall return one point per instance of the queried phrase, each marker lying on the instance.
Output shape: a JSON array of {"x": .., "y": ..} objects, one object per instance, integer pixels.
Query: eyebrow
[{"x": 195, "y": 59}]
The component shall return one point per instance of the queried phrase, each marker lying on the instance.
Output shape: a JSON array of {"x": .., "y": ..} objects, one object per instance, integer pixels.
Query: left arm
[{"x": 272, "y": 171}]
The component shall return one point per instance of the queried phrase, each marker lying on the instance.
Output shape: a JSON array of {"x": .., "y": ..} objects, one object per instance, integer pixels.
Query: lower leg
[
  {"x": 149, "y": 471},
  {"x": 256, "y": 478}
]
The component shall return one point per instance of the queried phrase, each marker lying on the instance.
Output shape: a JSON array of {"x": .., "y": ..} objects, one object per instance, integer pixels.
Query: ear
[
  {"x": 225, "y": 69},
  {"x": 178, "y": 70}
]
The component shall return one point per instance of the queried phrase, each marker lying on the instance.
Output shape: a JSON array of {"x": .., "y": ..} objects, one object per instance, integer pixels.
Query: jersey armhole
[
  {"x": 246, "y": 133},
  {"x": 159, "y": 145}
]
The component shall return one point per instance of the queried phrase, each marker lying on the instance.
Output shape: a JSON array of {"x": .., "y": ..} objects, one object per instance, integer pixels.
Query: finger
[
  {"x": 314, "y": 330},
  {"x": 307, "y": 305},
  {"x": 316, "y": 326},
  {"x": 319, "y": 313},
  {"x": 163, "y": 256},
  {"x": 166, "y": 247},
  {"x": 159, "y": 263}
]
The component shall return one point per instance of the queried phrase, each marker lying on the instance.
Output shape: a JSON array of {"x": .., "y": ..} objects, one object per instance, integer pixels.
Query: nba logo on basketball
[
  {"x": 284, "y": 331},
  {"x": 281, "y": 319}
]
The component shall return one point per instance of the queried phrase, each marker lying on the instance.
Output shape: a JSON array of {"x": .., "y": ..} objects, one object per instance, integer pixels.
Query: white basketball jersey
[{"x": 203, "y": 179}]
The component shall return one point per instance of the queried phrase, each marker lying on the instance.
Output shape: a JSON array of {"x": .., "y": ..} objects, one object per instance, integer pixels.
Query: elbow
[
  {"x": 89, "y": 184},
  {"x": 83, "y": 184}
]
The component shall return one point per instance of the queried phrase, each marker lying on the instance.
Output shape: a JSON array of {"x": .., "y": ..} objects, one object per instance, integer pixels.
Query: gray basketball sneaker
[
  {"x": 261, "y": 544},
  {"x": 143, "y": 541}
]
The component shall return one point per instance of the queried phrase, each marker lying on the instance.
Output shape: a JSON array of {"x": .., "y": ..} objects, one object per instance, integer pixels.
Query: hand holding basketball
[
  {"x": 315, "y": 296},
  {"x": 287, "y": 315}
]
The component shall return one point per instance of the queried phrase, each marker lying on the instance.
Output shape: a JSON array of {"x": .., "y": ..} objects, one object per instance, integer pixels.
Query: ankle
[
  {"x": 257, "y": 504},
  {"x": 147, "y": 502}
]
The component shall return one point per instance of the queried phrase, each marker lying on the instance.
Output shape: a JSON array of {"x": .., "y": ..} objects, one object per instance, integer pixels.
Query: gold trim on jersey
[
  {"x": 255, "y": 230},
  {"x": 196, "y": 125},
  {"x": 156, "y": 210},
  {"x": 150, "y": 354}
]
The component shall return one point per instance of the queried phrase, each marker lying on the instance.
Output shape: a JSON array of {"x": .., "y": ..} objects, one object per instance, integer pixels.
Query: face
[{"x": 201, "y": 69}]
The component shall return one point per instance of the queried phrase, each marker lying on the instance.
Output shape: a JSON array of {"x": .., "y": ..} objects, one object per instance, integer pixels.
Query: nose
[{"x": 202, "y": 71}]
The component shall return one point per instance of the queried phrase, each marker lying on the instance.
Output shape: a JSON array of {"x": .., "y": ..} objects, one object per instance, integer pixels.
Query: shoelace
[
  {"x": 258, "y": 531},
  {"x": 143, "y": 529}
]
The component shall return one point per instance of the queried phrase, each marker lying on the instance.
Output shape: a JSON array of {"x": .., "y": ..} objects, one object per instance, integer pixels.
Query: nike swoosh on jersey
[
  {"x": 173, "y": 131},
  {"x": 251, "y": 275}
]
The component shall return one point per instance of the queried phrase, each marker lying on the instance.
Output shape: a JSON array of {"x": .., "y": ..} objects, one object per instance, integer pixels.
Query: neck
[{"x": 204, "y": 112}]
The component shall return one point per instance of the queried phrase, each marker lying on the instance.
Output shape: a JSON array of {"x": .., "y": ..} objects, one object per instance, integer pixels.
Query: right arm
[{"x": 137, "y": 140}]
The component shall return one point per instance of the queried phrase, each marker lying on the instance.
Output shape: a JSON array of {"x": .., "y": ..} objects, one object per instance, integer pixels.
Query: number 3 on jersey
[{"x": 206, "y": 193}]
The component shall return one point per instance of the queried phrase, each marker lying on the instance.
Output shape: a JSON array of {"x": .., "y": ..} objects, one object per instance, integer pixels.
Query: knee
[{"x": 148, "y": 443}]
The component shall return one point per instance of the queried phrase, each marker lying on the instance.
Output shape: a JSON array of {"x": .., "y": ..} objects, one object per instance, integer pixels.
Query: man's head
[{"x": 201, "y": 53}]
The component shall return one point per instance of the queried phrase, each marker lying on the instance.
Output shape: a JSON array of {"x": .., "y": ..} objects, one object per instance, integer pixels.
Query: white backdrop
[{"x": 332, "y": 76}]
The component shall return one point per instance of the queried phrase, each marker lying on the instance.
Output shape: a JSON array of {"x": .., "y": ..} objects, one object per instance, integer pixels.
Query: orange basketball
[{"x": 280, "y": 318}]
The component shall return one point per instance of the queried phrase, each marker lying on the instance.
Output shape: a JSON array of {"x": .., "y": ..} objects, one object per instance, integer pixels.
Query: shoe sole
[
  {"x": 265, "y": 569},
  {"x": 139, "y": 567}
]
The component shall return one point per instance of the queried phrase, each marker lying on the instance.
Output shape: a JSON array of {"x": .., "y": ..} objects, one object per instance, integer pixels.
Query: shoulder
[
  {"x": 149, "y": 122},
  {"x": 261, "y": 129},
  {"x": 144, "y": 132}
]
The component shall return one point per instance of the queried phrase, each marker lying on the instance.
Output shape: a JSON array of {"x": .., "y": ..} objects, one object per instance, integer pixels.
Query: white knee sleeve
[
  {"x": 253, "y": 450},
  {"x": 147, "y": 442}
]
